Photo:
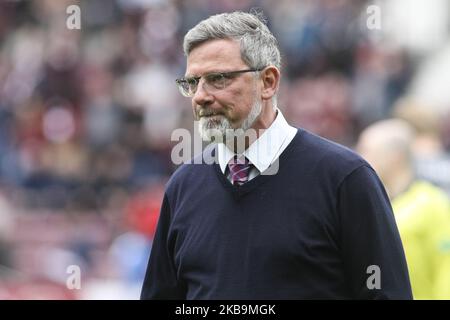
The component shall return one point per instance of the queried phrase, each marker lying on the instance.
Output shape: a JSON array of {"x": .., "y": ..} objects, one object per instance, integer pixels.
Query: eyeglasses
[{"x": 213, "y": 81}]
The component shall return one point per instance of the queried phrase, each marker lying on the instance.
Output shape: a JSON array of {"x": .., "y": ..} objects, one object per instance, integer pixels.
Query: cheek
[{"x": 237, "y": 103}]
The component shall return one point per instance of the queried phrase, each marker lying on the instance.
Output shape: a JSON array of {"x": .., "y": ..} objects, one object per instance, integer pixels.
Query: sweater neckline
[{"x": 239, "y": 191}]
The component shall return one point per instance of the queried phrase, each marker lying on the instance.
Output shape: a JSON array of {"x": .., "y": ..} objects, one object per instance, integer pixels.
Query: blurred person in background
[
  {"x": 235, "y": 230},
  {"x": 422, "y": 210},
  {"x": 431, "y": 159}
]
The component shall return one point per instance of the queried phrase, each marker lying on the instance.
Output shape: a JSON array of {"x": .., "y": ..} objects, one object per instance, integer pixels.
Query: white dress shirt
[{"x": 265, "y": 150}]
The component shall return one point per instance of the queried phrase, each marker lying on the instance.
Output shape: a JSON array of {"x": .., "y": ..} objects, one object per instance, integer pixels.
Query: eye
[
  {"x": 191, "y": 81},
  {"x": 214, "y": 77}
]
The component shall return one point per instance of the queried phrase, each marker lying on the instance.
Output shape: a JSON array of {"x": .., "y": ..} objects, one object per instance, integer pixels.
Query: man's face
[{"x": 237, "y": 106}]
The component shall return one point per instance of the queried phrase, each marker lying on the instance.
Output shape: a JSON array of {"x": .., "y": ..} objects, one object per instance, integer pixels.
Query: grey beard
[{"x": 219, "y": 129}]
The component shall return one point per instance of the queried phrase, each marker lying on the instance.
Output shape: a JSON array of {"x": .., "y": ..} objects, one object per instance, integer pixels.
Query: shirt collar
[{"x": 264, "y": 151}]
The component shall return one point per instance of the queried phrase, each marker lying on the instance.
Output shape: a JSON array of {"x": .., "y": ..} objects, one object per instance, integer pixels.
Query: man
[
  {"x": 318, "y": 227},
  {"x": 421, "y": 209}
]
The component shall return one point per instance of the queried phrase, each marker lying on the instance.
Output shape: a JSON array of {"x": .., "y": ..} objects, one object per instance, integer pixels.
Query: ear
[{"x": 270, "y": 77}]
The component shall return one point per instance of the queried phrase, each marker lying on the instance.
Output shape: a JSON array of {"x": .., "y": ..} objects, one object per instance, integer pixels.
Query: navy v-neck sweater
[{"x": 320, "y": 228}]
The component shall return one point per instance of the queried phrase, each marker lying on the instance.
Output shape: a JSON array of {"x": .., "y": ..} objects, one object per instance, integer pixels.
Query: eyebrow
[{"x": 209, "y": 72}]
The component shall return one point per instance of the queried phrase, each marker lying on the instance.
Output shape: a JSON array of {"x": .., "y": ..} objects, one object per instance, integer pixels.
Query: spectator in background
[
  {"x": 431, "y": 159},
  {"x": 238, "y": 230},
  {"x": 422, "y": 210}
]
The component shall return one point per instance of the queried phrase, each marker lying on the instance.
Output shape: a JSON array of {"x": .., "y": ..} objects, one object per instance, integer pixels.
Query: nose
[{"x": 202, "y": 96}]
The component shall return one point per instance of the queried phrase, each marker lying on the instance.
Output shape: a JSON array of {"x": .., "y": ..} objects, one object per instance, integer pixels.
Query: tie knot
[{"x": 239, "y": 169}]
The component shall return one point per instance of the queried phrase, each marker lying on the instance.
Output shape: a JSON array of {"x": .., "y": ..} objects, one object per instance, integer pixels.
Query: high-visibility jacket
[{"x": 422, "y": 214}]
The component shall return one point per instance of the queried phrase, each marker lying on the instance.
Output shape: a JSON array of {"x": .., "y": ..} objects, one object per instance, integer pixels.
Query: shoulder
[
  {"x": 325, "y": 148},
  {"x": 325, "y": 156},
  {"x": 422, "y": 204},
  {"x": 424, "y": 195},
  {"x": 191, "y": 172}
]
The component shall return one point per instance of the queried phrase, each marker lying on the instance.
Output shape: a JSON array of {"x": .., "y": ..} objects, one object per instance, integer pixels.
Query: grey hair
[{"x": 259, "y": 47}]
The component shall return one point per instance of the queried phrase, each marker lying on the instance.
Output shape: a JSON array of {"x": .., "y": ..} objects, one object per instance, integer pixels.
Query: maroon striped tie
[{"x": 239, "y": 170}]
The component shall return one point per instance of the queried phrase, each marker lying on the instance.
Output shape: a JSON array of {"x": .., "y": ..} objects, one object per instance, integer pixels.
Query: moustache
[{"x": 209, "y": 113}]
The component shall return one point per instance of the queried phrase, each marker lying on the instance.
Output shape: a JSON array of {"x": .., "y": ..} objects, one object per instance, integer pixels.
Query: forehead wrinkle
[{"x": 210, "y": 56}]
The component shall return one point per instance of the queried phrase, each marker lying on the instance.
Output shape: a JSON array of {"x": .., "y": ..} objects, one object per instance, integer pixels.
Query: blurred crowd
[{"x": 86, "y": 118}]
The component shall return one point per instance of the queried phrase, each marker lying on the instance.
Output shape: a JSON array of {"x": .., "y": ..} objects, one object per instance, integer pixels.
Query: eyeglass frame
[{"x": 224, "y": 75}]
